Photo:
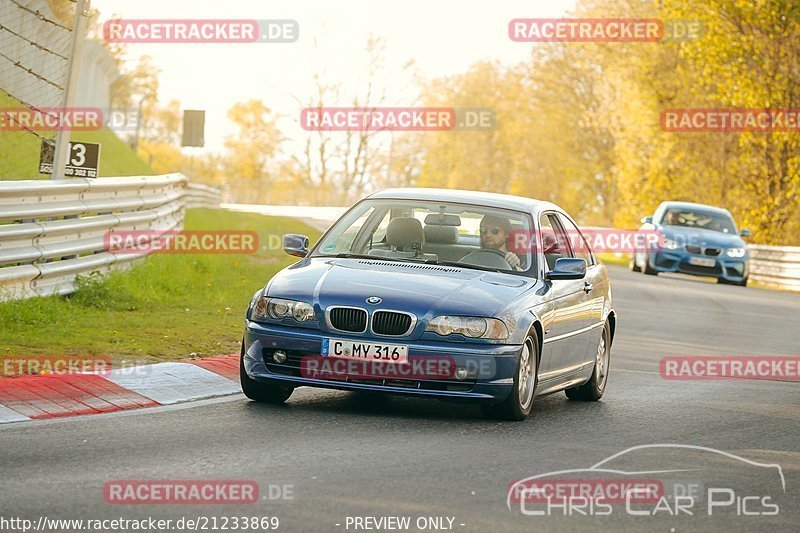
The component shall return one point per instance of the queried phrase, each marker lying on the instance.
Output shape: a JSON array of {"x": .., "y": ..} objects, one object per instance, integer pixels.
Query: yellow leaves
[{"x": 578, "y": 123}]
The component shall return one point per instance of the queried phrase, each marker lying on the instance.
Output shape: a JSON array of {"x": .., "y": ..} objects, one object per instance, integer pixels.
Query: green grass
[
  {"x": 19, "y": 152},
  {"x": 166, "y": 308}
]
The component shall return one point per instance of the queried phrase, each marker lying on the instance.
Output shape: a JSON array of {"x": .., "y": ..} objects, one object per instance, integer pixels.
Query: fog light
[
  {"x": 279, "y": 357},
  {"x": 461, "y": 372}
]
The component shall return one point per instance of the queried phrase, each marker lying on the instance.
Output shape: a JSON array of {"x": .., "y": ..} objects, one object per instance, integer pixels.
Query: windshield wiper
[
  {"x": 348, "y": 255},
  {"x": 463, "y": 265}
]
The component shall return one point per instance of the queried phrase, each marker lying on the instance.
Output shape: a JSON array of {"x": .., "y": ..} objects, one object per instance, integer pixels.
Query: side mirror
[
  {"x": 646, "y": 220},
  {"x": 296, "y": 245},
  {"x": 568, "y": 268},
  {"x": 745, "y": 232}
]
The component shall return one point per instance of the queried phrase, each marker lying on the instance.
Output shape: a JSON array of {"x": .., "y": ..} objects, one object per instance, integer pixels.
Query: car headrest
[
  {"x": 403, "y": 232},
  {"x": 441, "y": 234}
]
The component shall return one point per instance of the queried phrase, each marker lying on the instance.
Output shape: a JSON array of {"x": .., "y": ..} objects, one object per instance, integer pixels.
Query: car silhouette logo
[{"x": 374, "y": 300}]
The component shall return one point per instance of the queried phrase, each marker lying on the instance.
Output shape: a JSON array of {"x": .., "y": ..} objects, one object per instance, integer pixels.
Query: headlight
[
  {"x": 278, "y": 308},
  {"x": 469, "y": 326},
  {"x": 736, "y": 252},
  {"x": 669, "y": 244}
]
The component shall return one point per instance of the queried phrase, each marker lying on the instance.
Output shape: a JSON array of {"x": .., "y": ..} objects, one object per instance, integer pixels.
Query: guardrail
[
  {"x": 776, "y": 266},
  {"x": 53, "y": 231},
  {"x": 198, "y": 195}
]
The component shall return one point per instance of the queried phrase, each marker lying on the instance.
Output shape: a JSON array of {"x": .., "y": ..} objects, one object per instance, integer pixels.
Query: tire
[
  {"x": 261, "y": 392},
  {"x": 647, "y": 270},
  {"x": 519, "y": 403},
  {"x": 633, "y": 266},
  {"x": 593, "y": 390}
]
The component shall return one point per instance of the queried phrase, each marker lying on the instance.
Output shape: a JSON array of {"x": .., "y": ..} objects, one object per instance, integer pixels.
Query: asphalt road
[{"x": 354, "y": 455}]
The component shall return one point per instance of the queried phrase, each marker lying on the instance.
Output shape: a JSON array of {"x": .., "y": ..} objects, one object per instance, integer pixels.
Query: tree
[{"x": 251, "y": 153}]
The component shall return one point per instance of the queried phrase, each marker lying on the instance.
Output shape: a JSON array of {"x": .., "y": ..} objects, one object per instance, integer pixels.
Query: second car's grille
[
  {"x": 348, "y": 319},
  {"x": 699, "y": 250},
  {"x": 390, "y": 323}
]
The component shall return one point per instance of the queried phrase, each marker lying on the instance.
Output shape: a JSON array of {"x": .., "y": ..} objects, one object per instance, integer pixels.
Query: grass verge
[{"x": 168, "y": 307}]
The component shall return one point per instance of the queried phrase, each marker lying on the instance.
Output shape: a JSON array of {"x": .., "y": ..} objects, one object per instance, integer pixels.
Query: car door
[
  {"x": 593, "y": 288},
  {"x": 563, "y": 346}
]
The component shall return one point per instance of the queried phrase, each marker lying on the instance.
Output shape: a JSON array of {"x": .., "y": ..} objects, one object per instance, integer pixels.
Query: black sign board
[
  {"x": 194, "y": 125},
  {"x": 83, "y": 161}
]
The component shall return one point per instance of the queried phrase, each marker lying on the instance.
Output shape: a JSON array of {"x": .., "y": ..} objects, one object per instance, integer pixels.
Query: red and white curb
[{"x": 51, "y": 396}]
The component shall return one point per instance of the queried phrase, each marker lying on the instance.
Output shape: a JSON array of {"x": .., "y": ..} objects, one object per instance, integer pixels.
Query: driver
[{"x": 495, "y": 232}]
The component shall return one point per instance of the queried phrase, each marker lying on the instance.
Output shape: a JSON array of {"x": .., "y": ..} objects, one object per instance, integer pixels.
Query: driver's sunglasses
[{"x": 494, "y": 230}]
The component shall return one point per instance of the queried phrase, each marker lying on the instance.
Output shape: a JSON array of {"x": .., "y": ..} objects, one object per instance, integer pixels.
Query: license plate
[
  {"x": 702, "y": 261},
  {"x": 365, "y": 351}
]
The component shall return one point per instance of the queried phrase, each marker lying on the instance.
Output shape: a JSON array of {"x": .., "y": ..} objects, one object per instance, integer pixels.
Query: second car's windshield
[
  {"x": 699, "y": 219},
  {"x": 432, "y": 232}
]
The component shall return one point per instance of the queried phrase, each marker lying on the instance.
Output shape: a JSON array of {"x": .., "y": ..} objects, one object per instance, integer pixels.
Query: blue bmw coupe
[
  {"x": 699, "y": 240},
  {"x": 455, "y": 295}
]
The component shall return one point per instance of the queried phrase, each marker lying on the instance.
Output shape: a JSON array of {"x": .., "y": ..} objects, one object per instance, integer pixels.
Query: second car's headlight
[
  {"x": 278, "y": 308},
  {"x": 669, "y": 244},
  {"x": 469, "y": 326},
  {"x": 736, "y": 252}
]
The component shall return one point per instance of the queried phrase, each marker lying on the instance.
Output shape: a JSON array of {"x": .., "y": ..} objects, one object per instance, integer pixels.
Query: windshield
[
  {"x": 699, "y": 219},
  {"x": 431, "y": 232}
]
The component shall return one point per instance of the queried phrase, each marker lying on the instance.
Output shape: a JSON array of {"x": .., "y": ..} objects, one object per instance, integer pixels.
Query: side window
[
  {"x": 554, "y": 241},
  {"x": 577, "y": 241}
]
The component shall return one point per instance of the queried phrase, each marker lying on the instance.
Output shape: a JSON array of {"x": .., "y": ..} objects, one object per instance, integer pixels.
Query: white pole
[{"x": 61, "y": 154}]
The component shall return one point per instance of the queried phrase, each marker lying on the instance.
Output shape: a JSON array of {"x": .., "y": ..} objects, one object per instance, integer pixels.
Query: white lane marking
[
  {"x": 168, "y": 383},
  {"x": 9, "y": 415}
]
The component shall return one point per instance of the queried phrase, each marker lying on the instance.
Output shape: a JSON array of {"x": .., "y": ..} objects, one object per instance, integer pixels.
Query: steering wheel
[{"x": 487, "y": 257}]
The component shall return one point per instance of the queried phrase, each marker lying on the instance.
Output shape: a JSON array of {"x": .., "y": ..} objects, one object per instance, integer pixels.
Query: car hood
[
  {"x": 425, "y": 290},
  {"x": 701, "y": 237}
]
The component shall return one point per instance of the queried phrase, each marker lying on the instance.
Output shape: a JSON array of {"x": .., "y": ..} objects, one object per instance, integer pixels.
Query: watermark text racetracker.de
[
  {"x": 755, "y": 120},
  {"x": 434, "y": 367},
  {"x": 15, "y": 366},
  {"x": 51, "y": 119},
  {"x": 396, "y": 118},
  {"x": 600, "y": 240},
  {"x": 195, "y": 31},
  {"x": 181, "y": 492},
  {"x": 727, "y": 368},
  {"x": 180, "y": 242},
  {"x": 603, "y": 30}
]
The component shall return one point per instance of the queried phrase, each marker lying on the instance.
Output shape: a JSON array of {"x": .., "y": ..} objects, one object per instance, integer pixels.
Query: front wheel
[
  {"x": 593, "y": 390},
  {"x": 261, "y": 392},
  {"x": 646, "y": 268},
  {"x": 519, "y": 403}
]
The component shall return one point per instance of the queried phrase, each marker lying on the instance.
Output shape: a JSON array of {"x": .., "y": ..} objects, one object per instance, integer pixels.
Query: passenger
[{"x": 671, "y": 218}]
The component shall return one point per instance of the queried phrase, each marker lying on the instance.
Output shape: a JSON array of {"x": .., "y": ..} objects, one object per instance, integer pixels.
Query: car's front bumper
[
  {"x": 491, "y": 367},
  {"x": 678, "y": 261}
]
